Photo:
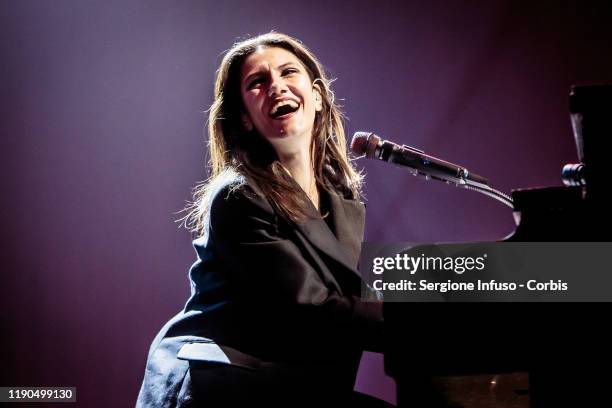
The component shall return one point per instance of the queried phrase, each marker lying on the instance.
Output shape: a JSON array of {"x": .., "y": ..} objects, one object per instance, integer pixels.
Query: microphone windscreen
[
  {"x": 364, "y": 144},
  {"x": 359, "y": 144}
]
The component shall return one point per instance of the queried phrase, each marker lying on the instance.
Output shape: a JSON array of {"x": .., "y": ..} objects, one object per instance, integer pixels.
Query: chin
[
  {"x": 289, "y": 141},
  {"x": 287, "y": 132}
]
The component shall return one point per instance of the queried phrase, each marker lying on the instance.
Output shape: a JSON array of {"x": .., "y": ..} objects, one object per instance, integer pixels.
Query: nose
[{"x": 277, "y": 86}]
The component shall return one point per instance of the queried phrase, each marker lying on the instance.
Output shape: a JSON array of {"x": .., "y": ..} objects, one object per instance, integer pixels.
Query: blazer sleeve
[{"x": 269, "y": 269}]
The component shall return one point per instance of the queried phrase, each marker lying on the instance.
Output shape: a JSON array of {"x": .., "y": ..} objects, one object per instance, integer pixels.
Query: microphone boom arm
[{"x": 421, "y": 164}]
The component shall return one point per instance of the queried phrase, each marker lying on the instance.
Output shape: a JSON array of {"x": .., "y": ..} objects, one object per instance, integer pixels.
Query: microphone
[{"x": 371, "y": 146}]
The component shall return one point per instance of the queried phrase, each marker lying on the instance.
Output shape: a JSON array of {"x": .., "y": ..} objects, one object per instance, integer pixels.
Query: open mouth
[{"x": 283, "y": 109}]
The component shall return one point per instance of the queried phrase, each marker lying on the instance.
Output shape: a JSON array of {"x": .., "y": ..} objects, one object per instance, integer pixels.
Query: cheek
[
  {"x": 250, "y": 102},
  {"x": 303, "y": 81},
  {"x": 305, "y": 88},
  {"x": 310, "y": 107}
]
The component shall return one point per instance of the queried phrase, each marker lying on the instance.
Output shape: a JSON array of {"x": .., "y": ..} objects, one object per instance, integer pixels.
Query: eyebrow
[{"x": 280, "y": 67}]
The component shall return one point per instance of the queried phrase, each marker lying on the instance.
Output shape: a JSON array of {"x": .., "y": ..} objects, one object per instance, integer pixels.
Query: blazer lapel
[{"x": 347, "y": 221}]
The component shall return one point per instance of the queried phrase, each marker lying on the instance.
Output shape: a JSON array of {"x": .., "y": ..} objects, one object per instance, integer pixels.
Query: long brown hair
[{"x": 232, "y": 149}]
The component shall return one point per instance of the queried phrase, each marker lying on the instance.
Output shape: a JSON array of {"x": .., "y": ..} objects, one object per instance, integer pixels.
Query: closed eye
[
  {"x": 289, "y": 71},
  {"x": 260, "y": 79},
  {"x": 254, "y": 82}
]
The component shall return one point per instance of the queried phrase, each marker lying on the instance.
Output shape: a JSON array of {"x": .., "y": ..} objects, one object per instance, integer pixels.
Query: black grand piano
[{"x": 476, "y": 355}]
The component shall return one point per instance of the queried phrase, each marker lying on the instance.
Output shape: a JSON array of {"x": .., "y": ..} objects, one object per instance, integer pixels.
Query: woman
[{"x": 276, "y": 312}]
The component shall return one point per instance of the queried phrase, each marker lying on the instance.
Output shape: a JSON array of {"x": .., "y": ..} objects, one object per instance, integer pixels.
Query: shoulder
[
  {"x": 238, "y": 206},
  {"x": 226, "y": 199},
  {"x": 232, "y": 194}
]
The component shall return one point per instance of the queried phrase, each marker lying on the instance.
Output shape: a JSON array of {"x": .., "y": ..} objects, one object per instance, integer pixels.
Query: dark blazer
[{"x": 273, "y": 303}]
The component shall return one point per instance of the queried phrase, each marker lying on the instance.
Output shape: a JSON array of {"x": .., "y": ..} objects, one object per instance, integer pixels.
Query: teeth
[{"x": 281, "y": 103}]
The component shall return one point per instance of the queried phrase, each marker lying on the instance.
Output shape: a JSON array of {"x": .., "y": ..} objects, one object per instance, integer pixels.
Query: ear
[
  {"x": 247, "y": 123},
  {"x": 318, "y": 99}
]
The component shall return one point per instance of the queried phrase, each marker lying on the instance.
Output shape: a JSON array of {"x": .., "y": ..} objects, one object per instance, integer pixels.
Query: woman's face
[{"x": 279, "y": 99}]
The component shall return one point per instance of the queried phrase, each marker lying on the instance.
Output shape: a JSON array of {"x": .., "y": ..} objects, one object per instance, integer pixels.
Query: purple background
[{"x": 102, "y": 139}]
